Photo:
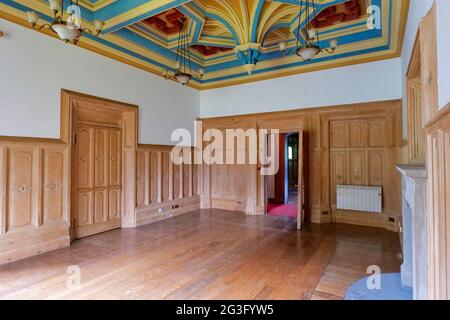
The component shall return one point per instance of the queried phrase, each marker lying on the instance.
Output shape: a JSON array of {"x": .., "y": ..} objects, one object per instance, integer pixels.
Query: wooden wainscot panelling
[
  {"x": 415, "y": 147},
  {"x": 428, "y": 65},
  {"x": 438, "y": 166},
  {"x": 34, "y": 198},
  {"x": 233, "y": 187},
  {"x": 352, "y": 144},
  {"x": 165, "y": 189},
  {"x": 367, "y": 159}
]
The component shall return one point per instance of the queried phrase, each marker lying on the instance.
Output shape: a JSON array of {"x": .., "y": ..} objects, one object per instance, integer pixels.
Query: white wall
[
  {"x": 34, "y": 67},
  {"x": 443, "y": 34},
  {"x": 373, "y": 81}
]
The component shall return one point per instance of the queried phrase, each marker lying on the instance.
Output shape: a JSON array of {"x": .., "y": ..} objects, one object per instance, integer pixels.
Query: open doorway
[
  {"x": 284, "y": 196},
  {"x": 283, "y": 187}
]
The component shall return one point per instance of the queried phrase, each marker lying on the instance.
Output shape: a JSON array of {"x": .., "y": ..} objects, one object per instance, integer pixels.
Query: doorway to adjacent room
[{"x": 283, "y": 188}]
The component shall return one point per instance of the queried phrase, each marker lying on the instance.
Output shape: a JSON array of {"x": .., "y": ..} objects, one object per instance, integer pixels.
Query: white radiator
[{"x": 367, "y": 199}]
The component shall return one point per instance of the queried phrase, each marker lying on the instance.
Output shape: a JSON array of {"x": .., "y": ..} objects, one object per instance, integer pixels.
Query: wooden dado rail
[
  {"x": 34, "y": 197},
  {"x": 164, "y": 189}
]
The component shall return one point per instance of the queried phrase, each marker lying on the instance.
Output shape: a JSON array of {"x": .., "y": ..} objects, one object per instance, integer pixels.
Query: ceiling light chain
[
  {"x": 183, "y": 61},
  {"x": 309, "y": 50}
]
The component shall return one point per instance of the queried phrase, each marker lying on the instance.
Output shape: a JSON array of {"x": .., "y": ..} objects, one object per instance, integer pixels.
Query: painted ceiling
[{"x": 144, "y": 33}]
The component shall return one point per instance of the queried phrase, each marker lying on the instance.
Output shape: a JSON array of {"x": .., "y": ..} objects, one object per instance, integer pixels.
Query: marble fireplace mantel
[{"x": 414, "y": 270}]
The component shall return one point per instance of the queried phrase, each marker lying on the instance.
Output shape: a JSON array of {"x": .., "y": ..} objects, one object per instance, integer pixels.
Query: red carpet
[{"x": 286, "y": 210}]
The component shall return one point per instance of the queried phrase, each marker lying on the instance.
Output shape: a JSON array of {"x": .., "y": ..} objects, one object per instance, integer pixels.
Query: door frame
[
  {"x": 301, "y": 178},
  {"x": 129, "y": 126}
]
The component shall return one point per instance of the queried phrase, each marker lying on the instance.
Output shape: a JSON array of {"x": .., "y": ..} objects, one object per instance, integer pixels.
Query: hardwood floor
[{"x": 208, "y": 255}]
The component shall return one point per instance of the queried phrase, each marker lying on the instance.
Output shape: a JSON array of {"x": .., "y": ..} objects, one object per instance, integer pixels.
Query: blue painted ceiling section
[{"x": 197, "y": 12}]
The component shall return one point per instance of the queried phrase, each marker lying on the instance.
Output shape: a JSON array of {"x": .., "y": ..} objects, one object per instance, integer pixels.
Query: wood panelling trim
[
  {"x": 3, "y": 189},
  {"x": 414, "y": 70},
  {"x": 129, "y": 146},
  {"x": 429, "y": 68},
  {"x": 416, "y": 134},
  {"x": 438, "y": 116}
]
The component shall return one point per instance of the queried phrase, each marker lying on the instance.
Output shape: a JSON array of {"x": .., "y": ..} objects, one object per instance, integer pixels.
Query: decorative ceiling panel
[{"x": 223, "y": 34}]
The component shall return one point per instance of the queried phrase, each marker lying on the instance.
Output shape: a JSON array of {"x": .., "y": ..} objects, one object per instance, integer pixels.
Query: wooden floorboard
[{"x": 209, "y": 254}]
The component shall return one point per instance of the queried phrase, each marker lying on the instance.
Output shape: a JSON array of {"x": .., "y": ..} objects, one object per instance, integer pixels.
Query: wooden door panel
[
  {"x": 153, "y": 177},
  {"x": 376, "y": 167},
  {"x": 228, "y": 180},
  {"x": 140, "y": 179},
  {"x": 99, "y": 179},
  {"x": 240, "y": 181},
  {"x": 338, "y": 166},
  {"x": 20, "y": 187},
  {"x": 114, "y": 203},
  {"x": 358, "y": 134},
  {"x": 176, "y": 180},
  {"x": 115, "y": 168},
  {"x": 165, "y": 176},
  {"x": 215, "y": 176},
  {"x": 101, "y": 158},
  {"x": 377, "y": 133},
  {"x": 338, "y": 172},
  {"x": 357, "y": 168},
  {"x": 84, "y": 209},
  {"x": 187, "y": 186},
  {"x": 85, "y": 157},
  {"x": 53, "y": 185},
  {"x": 195, "y": 177},
  {"x": 101, "y": 206},
  {"x": 339, "y": 134}
]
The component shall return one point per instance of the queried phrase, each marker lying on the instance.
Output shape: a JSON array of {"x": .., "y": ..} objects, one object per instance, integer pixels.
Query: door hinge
[{"x": 75, "y": 139}]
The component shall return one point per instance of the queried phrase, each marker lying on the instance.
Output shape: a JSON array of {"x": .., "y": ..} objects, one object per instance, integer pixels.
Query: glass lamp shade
[
  {"x": 312, "y": 33},
  {"x": 308, "y": 52},
  {"x": 249, "y": 67},
  {"x": 183, "y": 78},
  {"x": 98, "y": 24},
  {"x": 333, "y": 43},
  {"x": 56, "y": 5},
  {"x": 32, "y": 17},
  {"x": 67, "y": 32}
]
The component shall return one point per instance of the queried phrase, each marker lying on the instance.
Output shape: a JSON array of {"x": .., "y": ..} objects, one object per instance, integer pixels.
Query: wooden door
[
  {"x": 97, "y": 171},
  {"x": 301, "y": 182}
]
